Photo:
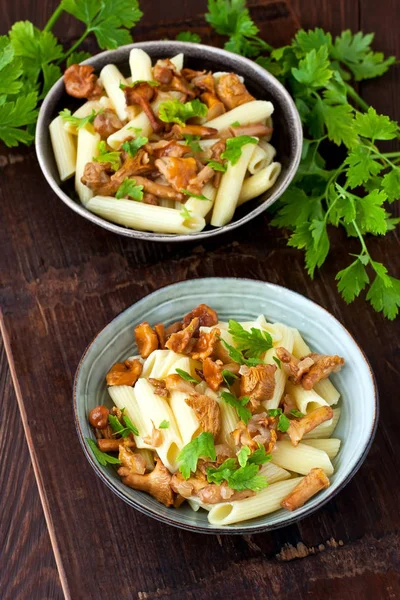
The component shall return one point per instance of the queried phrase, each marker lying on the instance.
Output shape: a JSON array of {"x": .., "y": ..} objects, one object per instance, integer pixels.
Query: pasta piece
[
  {"x": 273, "y": 473},
  {"x": 202, "y": 207},
  {"x": 140, "y": 65},
  {"x": 306, "y": 400},
  {"x": 300, "y": 348},
  {"x": 258, "y": 160},
  {"x": 144, "y": 217},
  {"x": 263, "y": 503},
  {"x": 124, "y": 397},
  {"x": 148, "y": 456},
  {"x": 327, "y": 390},
  {"x": 229, "y": 420},
  {"x": 64, "y": 149},
  {"x": 112, "y": 78},
  {"x": 83, "y": 111},
  {"x": 300, "y": 459},
  {"x": 186, "y": 419},
  {"x": 140, "y": 122},
  {"x": 217, "y": 76},
  {"x": 251, "y": 112},
  {"x": 167, "y": 202},
  {"x": 195, "y": 504},
  {"x": 161, "y": 363},
  {"x": 257, "y": 184},
  {"x": 88, "y": 147},
  {"x": 229, "y": 188},
  {"x": 177, "y": 61},
  {"x": 331, "y": 446},
  {"x": 269, "y": 149},
  {"x": 324, "y": 430},
  {"x": 280, "y": 375}
]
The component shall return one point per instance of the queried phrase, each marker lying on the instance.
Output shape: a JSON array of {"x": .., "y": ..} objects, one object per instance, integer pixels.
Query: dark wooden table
[{"x": 63, "y": 279}]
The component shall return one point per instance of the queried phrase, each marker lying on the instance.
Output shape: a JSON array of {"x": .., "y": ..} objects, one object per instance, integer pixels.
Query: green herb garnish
[
  {"x": 100, "y": 456},
  {"x": 283, "y": 421},
  {"x": 252, "y": 343},
  {"x": 132, "y": 146},
  {"x": 197, "y": 196},
  {"x": 217, "y": 166},
  {"x": 193, "y": 142},
  {"x": 186, "y": 376},
  {"x": 173, "y": 111},
  {"x": 203, "y": 445},
  {"x": 228, "y": 377},
  {"x": 188, "y": 36},
  {"x": 297, "y": 413},
  {"x": 78, "y": 122},
  {"x": 242, "y": 478},
  {"x": 277, "y": 361},
  {"x": 239, "y": 405},
  {"x": 118, "y": 428},
  {"x": 108, "y": 156},
  {"x": 164, "y": 424},
  {"x": 129, "y": 188},
  {"x": 234, "y": 146}
]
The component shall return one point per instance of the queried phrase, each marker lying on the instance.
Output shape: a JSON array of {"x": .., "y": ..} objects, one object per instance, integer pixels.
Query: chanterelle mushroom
[
  {"x": 232, "y": 91},
  {"x": 142, "y": 94},
  {"x": 299, "y": 427},
  {"x": 258, "y": 383},
  {"x": 81, "y": 82},
  {"x": 146, "y": 339},
  {"x": 182, "y": 341},
  {"x": 131, "y": 461},
  {"x": 323, "y": 366},
  {"x": 293, "y": 366},
  {"x": 315, "y": 481},
  {"x": 177, "y": 171},
  {"x": 156, "y": 483},
  {"x": 205, "y": 344},
  {"x": 207, "y": 411},
  {"x": 175, "y": 383},
  {"x": 207, "y": 316},
  {"x": 106, "y": 123},
  {"x": 126, "y": 373}
]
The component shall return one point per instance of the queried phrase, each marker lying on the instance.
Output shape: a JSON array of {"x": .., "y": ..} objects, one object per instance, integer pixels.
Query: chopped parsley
[
  {"x": 217, "y": 166},
  {"x": 244, "y": 413},
  {"x": 129, "y": 188},
  {"x": 243, "y": 455},
  {"x": 234, "y": 147},
  {"x": 197, "y": 196},
  {"x": 237, "y": 356},
  {"x": 278, "y": 362},
  {"x": 283, "y": 421},
  {"x": 173, "y": 111},
  {"x": 78, "y": 122},
  {"x": 136, "y": 82},
  {"x": 252, "y": 343},
  {"x": 297, "y": 413},
  {"x": 107, "y": 156},
  {"x": 164, "y": 424},
  {"x": 185, "y": 213},
  {"x": 132, "y": 146},
  {"x": 186, "y": 376},
  {"x": 242, "y": 478},
  {"x": 228, "y": 377},
  {"x": 118, "y": 428},
  {"x": 203, "y": 445},
  {"x": 193, "y": 142},
  {"x": 102, "y": 457}
]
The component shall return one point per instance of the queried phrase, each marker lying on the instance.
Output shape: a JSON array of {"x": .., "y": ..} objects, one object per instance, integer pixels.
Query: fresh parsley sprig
[
  {"x": 283, "y": 421},
  {"x": 132, "y": 146},
  {"x": 237, "y": 356},
  {"x": 252, "y": 343},
  {"x": 129, "y": 189},
  {"x": 78, "y": 122},
  {"x": 102, "y": 457},
  {"x": 238, "y": 478},
  {"x": 119, "y": 429},
  {"x": 234, "y": 146},
  {"x": 173, "y": 111},
  {"x": 186, "y": 376},
  {"x": 105, "y": 155},
  {"x": 239, "y": 404},
  {"x": 202, "y": 445}
]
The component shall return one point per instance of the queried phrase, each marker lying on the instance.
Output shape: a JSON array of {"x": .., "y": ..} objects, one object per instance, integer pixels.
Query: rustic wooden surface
[{"x": 63, "y": 279}]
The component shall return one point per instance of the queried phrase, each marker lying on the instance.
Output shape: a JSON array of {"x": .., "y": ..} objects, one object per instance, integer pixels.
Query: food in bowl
[
  {"x": 169, "y": 150},
  {"x": 234, "y": 418}
]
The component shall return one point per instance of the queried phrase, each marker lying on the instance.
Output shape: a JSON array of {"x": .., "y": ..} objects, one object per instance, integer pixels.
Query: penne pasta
[
  {"x": 139, "y": 125},
  {"x": 161, "y": 363},
  {"x": 306, "y": 400},
  {"x": 257, "y": 184},
  {"x": 202, "y": 207},
  {"x": 177, "y": 61},
  {"x": 83, "y": 111},
  {"x": 286, "y": 340},
  {"x": 251, "y": 112},
  {"x": 300, "y": 348},
  {"x": 112, "y": 78},
  {"x": 273, "y": 473},
  {"x": 331, "y": 445},
  {"x": 300, "y": 458},
  {"x": 144, "y": 217},
  {"x": 269, "y": 150},
  {"x": 263, "y": 503},
  {"x": 229, "y": 188},
  {"x": 327, "y": 391},
  {"x": 140, "y": 65},
  {"x": 64, "y": 149},
  {"x": 258, "y": 160},
  {"x": 88, "y": 147}
]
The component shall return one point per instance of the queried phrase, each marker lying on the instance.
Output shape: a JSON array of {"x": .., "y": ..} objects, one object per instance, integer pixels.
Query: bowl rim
[
  {"x": 41, "y": 132},
  {"x": 235, "y": 529}
]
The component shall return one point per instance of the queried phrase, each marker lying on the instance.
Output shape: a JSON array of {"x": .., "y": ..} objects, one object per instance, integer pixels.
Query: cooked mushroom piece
[
  {"x": 213, "y": 373},
  {"x": 175, "y": 383},
  {"x": 81, "y": 82},
  {"x": 155, "y": 439},
  {"x": 159, "y": 387},
  {"x": 178, "y": 131},
  {"x": 188, "y": 487},
  {"x": 258, "y": 383},
  {"x": 323, "y": 366},
  {"x": 232, "y": 91},
  {"x": 214, "y": 494},
  {"x": 314, "y": 482},
  {"x": 205, "y": 345},
  {"x": 254, "y": 129},
  {"x": 146, "y": 339},
  {"x": 299, "y": 427},
  {"x": 160, "y": 331},
  {"x": 158, "y": 189},
  {"x": 114, "y": 444},
  {"x": 132, "y": 166},
  {"x": 177, "y": 171},
  {"x": 207, "y": 316},
  {"x": 131, "y": 461},
  {"x": 207, "y": 411},
  {"x": 106, "y": 123},
  {"x": 183, "y": 341},
  {"x": 156, "y": 483},
  {"x": 97, "y": 177},
  {"x": 293, "y": 366},
  {"x": 126, "y": 373},
  {"x": 142, "y": 94},
  {"x": 98, "y": 417},
  {"x": 196, "y": 184}
]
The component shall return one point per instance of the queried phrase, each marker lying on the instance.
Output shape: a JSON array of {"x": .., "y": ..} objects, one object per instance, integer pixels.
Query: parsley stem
[
  {"x": 54, "y": 17},
  {"x": 363, "y": 246},
  {"x": 353, "y": 94},
  {"x": 384, "y": 156},
  {"x": 75, "y": 46}
]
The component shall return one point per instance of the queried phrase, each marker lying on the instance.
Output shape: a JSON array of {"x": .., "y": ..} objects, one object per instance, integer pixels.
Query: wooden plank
[{"x": 63, "y": 279}]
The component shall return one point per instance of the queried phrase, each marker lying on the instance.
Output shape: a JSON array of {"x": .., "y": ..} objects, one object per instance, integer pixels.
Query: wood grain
[{"x": 63, "y": 279}]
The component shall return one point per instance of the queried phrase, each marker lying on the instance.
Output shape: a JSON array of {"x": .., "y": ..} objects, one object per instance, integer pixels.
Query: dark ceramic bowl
[
  {"x": 244, "y": 300},
  {"x": 287, "y": 138}
]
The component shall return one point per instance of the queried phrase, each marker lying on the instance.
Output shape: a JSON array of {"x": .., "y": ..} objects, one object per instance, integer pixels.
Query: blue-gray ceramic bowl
[
  {"x": 240, "y": 299},
  {"x": 287, "y": 139}
]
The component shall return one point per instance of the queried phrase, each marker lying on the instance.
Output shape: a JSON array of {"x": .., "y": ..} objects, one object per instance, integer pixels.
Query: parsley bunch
[
  {"x": 356, "y": 191},
  {"x": 31, "y": 59}
]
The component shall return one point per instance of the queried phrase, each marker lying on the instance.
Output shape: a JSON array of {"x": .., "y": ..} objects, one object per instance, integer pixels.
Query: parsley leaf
[
  {"x": 117, "y": 427},
  {"x": 78, "y": 122},
  {"x": 234, "y": 146},
  {"x": 102, "y": 457},
  {"x": 128, "y": 188},
  {"x": 185, "y": 213},
  {"x": 197, "y": 196},
  {"x": 228, "y": 377},
  {"x": 173, "y": 111},
  {"x": 252, "y": 343},
  {"x": 354, "y": 50},
  {"x": 186, "y": 376},
  {"x": 217, "y": 166},
  {"x": 132, "y": 146},
  {"x": 259, "y": 456},
  {"x": 220, "y": 474},
  {"x": 314, "y": 68},
  {"x": 193, "y": 142},
  {"x": 15, "y": 116},
  {"x": 374, "y": 126},
  {"x": 297, "y": 413},
  {"x": 243, "y": 455},
  {"x": 238, "y": 357},
  {"x": 108, "y": 156},
  {"x": 244, "y": 413},
  {"x": 391, "y": 184},
  {"x": 277, "y": 361},
  {"x": 247, "y": 478},
  {"x": 164, "y": 424},
  {"x": 188, "y": 36},
  {"x": 384, "y": 293},
  {"x": 283, "y": 421},
  {"x": 203, "y": 445},
  {"x": 77, "y": 57}
]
